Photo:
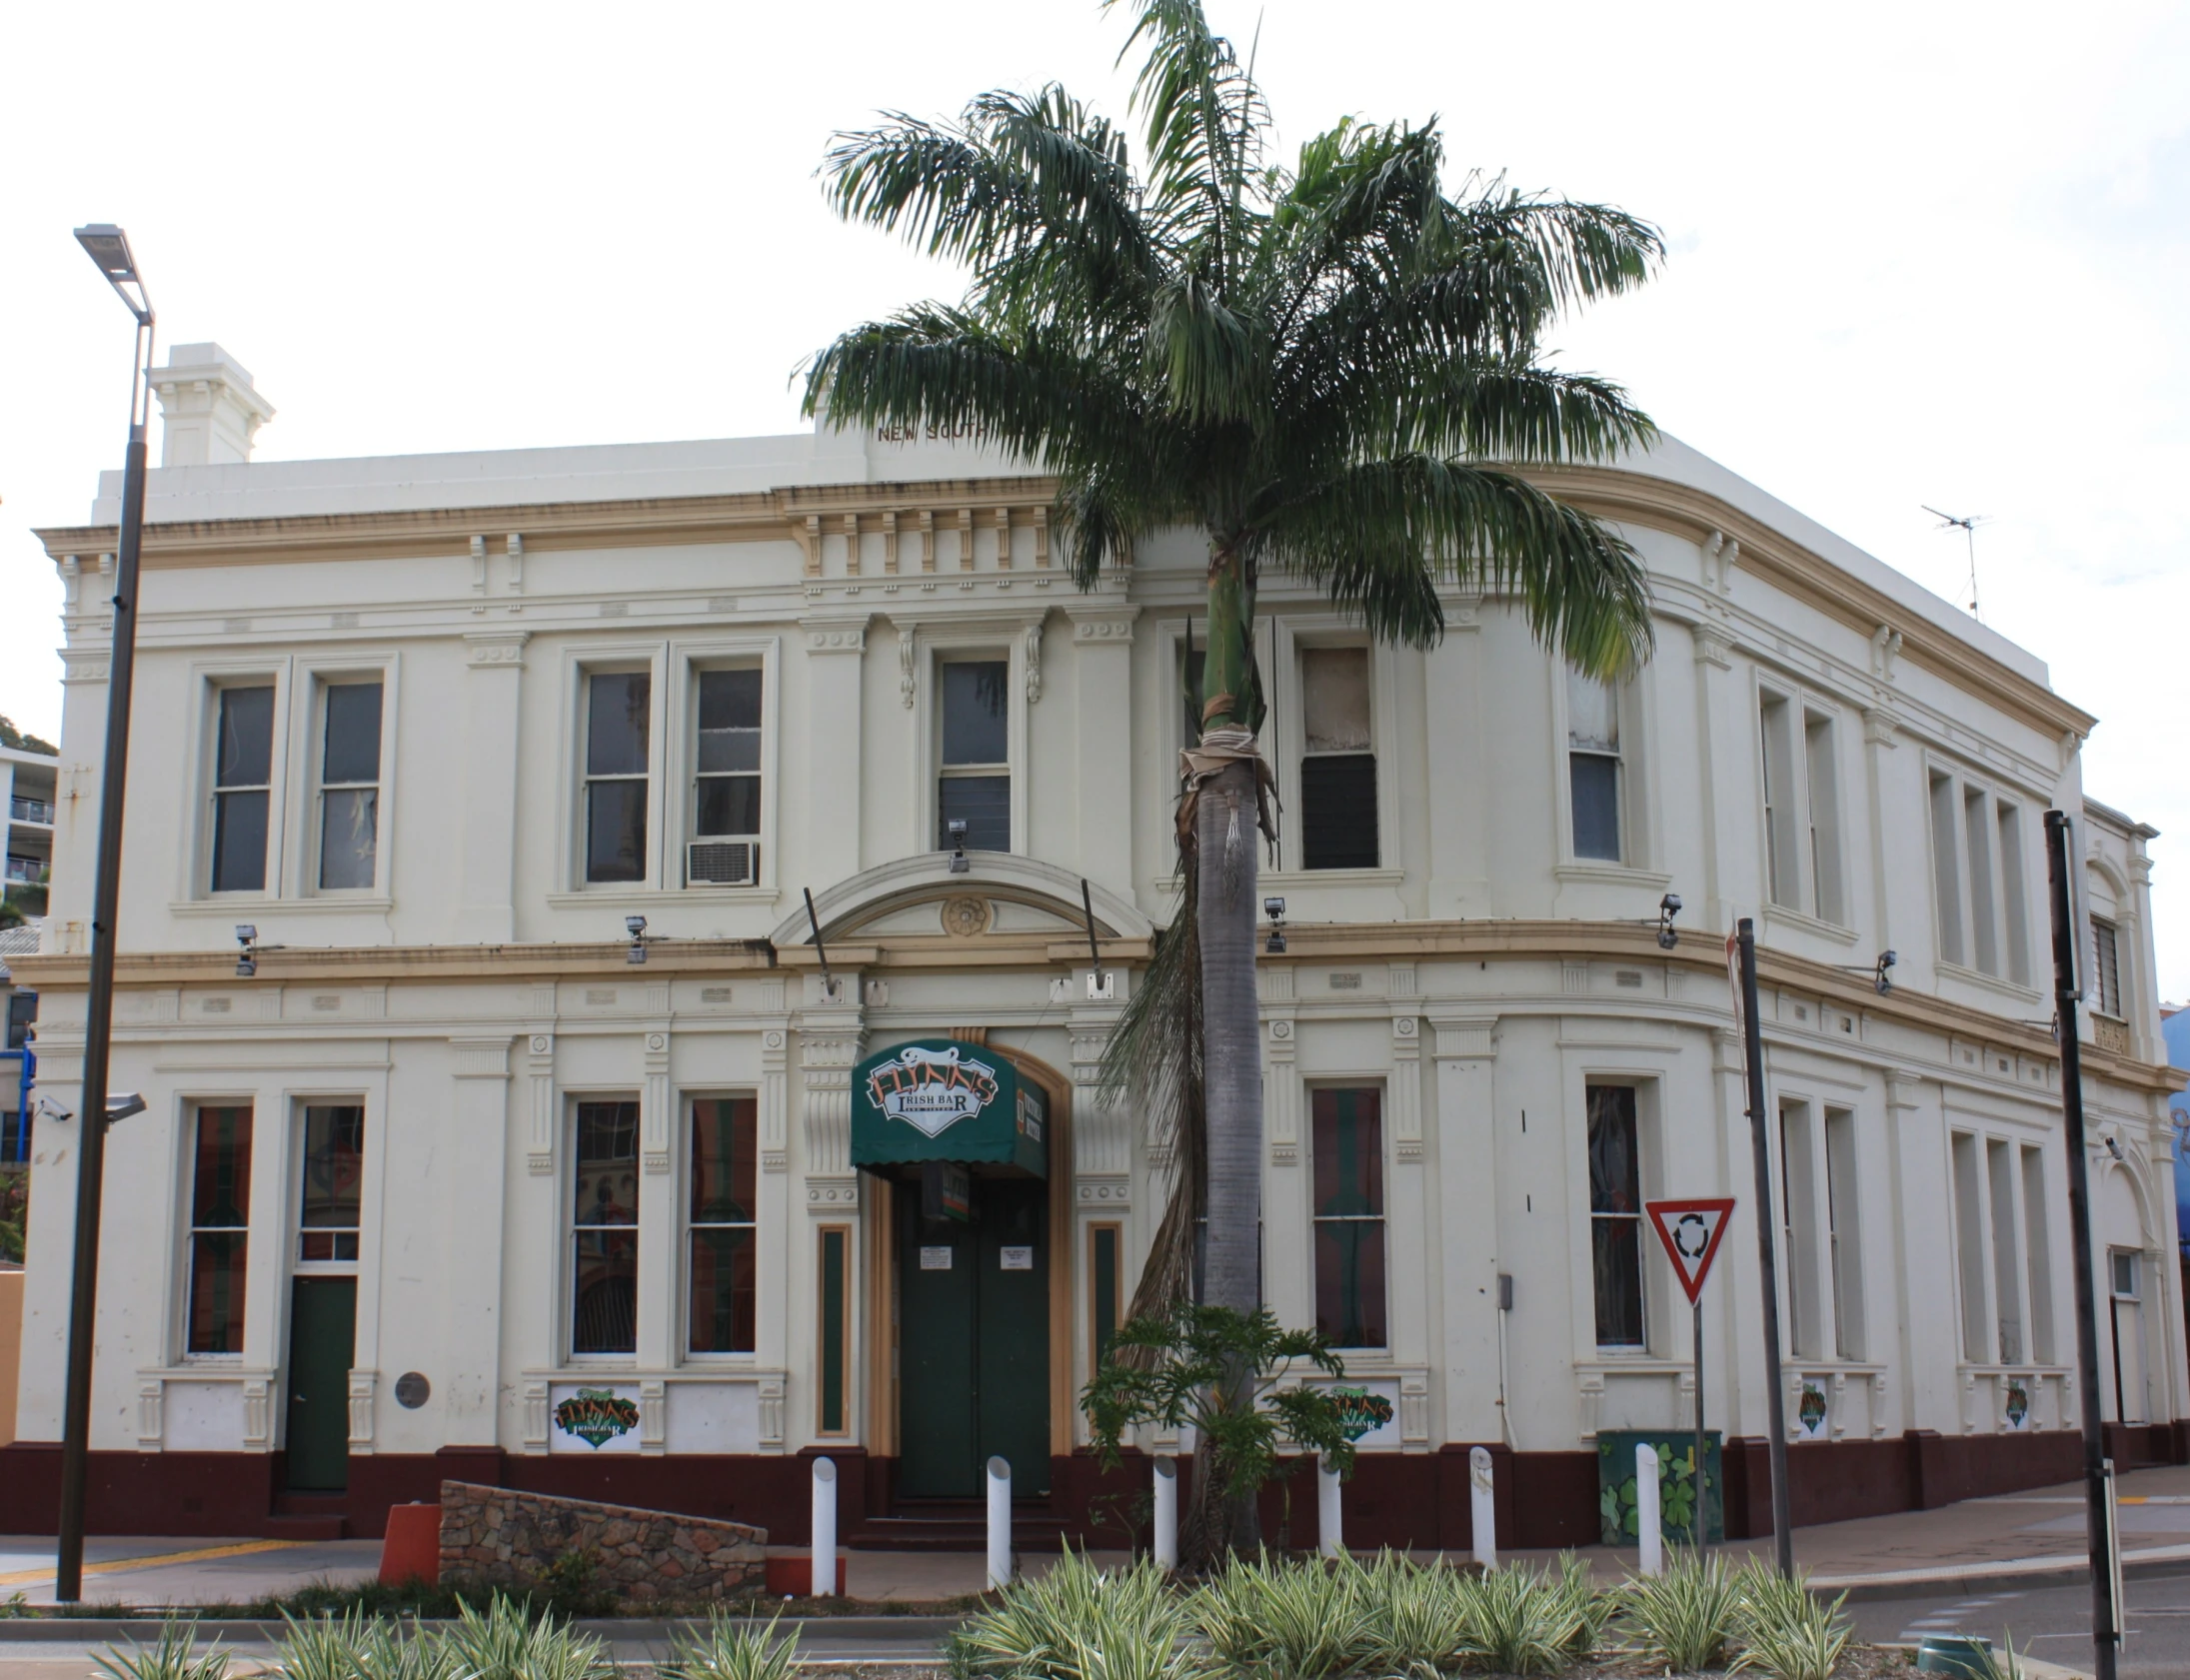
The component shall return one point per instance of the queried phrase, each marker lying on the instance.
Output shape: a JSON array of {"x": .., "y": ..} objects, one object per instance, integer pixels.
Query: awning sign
[
  {"x": 1691, "y": 1231},
  {"x": 941, "y": 1099}
]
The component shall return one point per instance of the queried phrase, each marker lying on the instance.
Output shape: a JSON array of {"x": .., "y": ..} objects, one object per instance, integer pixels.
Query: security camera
[
  {"x": 956, "y": 828},
  {"x": 1274, "y": 909},
  {"x": 635, "y": 925},
  {"x": 1667, "y": 907}
]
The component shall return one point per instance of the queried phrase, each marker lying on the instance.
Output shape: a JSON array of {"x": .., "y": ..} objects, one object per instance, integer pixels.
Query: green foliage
[
  {"x": 1416, "y": 1619},
  {"x": 1688, "y": 1617},
  {"x": 1179, "y": 1379},
  {"x": 1077, "y": 1623},
  {"x": 731, "y": 1650},
  {"x": 1592, "y": 1610},
  {"x": 172, "y": 1657},
  {"x": 1296, "y": 1619},
  {"x": 1787, "y": 1631},
  {"x": 14, "y": 1213},
  {"x": 1525, "y": 1621},
  {"x": 358, "y": 1645},
  {"x": 506, "y": 1641},
  {"x": 10, "y": 735}
]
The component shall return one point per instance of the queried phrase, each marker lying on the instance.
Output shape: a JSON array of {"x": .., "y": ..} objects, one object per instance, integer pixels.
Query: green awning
[{"x": 938, "y": 1099}]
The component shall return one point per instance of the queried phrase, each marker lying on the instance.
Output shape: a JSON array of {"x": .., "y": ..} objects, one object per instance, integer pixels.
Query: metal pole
[
  {"x": 1702, "y": 1534},
  {"x": 1776, "y": 1397},
  {"x": 91, "y": 1106},
  {"x": 2105, "y": 1634}
]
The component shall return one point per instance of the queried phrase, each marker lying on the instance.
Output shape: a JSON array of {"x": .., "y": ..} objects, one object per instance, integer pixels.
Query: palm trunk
[{"x": 1231, "y": 1029}]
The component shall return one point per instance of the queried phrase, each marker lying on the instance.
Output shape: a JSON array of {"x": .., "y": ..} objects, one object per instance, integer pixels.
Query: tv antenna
[{"x": 1968, "y": 528}]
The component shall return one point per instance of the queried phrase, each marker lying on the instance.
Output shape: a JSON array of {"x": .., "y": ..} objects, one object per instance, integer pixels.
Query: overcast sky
[{"x": 1921, "y": 253}]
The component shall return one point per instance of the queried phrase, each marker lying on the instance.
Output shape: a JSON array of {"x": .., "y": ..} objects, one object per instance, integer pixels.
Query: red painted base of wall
[{"x": 1544, "y": 1498}]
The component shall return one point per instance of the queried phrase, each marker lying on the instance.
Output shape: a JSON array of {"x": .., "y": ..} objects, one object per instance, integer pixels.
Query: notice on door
[
  {"x": 936, "y": 1258},
  {"x": 1018, "y": 1259}
]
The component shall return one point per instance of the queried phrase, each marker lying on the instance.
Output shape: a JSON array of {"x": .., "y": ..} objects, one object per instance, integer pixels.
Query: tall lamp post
[{"x": 109, "y": 248}]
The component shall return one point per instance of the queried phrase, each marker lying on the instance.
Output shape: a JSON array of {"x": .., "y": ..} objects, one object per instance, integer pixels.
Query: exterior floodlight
[
  {"x": 1667, "y": 907},
  {"x": 247, "y": 964},
  {"x": 246, "y": 933},
  {"x": 1884, "y": 981},
  {"x": 1274, "y": 909},
  {"x": 955, "y": 827},
  {"x": 2114, "y": 1148},
  {"x": 636, "y": 926},
  {"x": 123, "y": 1103}
]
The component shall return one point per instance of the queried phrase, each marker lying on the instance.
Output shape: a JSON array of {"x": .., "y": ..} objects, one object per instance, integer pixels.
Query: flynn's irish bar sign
[{"x": 938, "y": 1099}]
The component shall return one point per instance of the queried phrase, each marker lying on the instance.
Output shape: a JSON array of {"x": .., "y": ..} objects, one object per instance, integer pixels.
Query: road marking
[{"x": 34, "y": 1577}]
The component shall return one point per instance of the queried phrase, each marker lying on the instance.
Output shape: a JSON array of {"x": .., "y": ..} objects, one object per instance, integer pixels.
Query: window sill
[
  {"x": 653, "y": 898},
  {"x": 1801, "y": 922},
  {"x": 326, "y": 903},
  {"x": 1611, "y": 874},
  {"x": 1990, "y": 982},
  {"x": 1302, "y": 880}
]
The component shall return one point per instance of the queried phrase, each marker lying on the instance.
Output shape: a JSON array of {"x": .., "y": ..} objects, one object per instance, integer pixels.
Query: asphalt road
[{"x": 2050, "y": 1622}]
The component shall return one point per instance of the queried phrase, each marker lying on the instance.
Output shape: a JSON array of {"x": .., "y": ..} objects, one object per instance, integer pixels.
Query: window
[
  {"x": 1823, "y": 786},
  {"x": 1615, "y": 1215},
  {"x": 1337, "y": 764},
  {"x": 243, "y": 770},
  {"x": 1801, "y": 809},
  {"x": 2014, "y": 901},
  {"x": 334, "y": 1172},
  {"x": 619, "y": 714},
  {"x": 1783, "y": 873},
  {"x": 604, "y": 1236},
  {"x": 1969, "y": 1238},
  {"x": 1845, "y": 1233},
  {"x": 1977, "y": 867},
  {"x": 1799, "y": 1232},
  {"x": 726, "y": 791},
  {"x": 723, "y": 1247},
  {"x": 219, "y": 1229},
  {"x": 2038, "y": 1255},
  {"x": 2106, "y": 968},
  {"x": 350, "y": 787},
  {"x": 1349, "y": 1216},
  {"x": 975, "y": 785},
  {"x": 1592, "y": 760},
  {"x": 1984, "y": 942},
  {"x": 1947, "y": 870},
  {"x": 2007, "y": 1283}
]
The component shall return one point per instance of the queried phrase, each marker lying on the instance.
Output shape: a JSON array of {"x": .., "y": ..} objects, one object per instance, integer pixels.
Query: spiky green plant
[
  {"x": 1593, "y": 1609},
  {"x": 2003, "y": 1664},
  {"x": 1785, "y": 1630},
  {"x": 1298, "y": 1619},
  {"x": 1077, "y": 1623},
  {"x": 729, "y": 1650},
  {"x": 1417, "y": 1617},
  {"x": 1521, "y": 1621},
  {"x": 1686, "y": 1618},
  {"x": 506, "y": 1641},
  {"x": 358, "y": 1645},
  {"x": 172, "y": 1657}
]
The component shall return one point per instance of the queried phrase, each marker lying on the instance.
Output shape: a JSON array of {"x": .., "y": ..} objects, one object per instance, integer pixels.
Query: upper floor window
[
  {"x": 726, "y": 793},
  {"x": 605, "y": 1230},
  {"x": 1349, "y": 1216},
  {"x": 350, "y": 787},
  {"x": 2106, "y": 968},
  {"x": 724, "y": 1253},
  {"x": 1801, "y": 784},
  {"x": 974, "y": 787},
  {"x": 1978, "y": 878},
  {"x": 1337, "y": 761},
  {"x": 219, "y": 1229},
  {"x": 243, "y": 775},
  {"x": 334, "y": 1178},
  {"x": 619, "y": 716},
  {"x": 1615, "y": 1215},
  {"x": 1594, "y": 765}
]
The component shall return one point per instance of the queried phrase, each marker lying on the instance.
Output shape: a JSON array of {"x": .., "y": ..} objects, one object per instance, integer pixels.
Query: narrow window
[
  {"x": 1969, "y": 1248},
  {"x": 2013, "y": 900},
  {"x": 1593, "y": 759},
  {"x": 2007, "y": 1283},
  {"x": 1349, "y": 1216},
  {"x": 1826, "y": 889},
  {"x": 605, "y": 1234},
  {"x": 833, "y": 1389},
  {"x": 723, "y": 1250},
  {"x": 1338, "y": 762},
  {"x": 1946, "y": 873},
  {"x": 1798, "y": 1230},
  {"x": 243, "y": 764},
  {"x": 1615, "y": 1215},
  {"x": 976, "y": 786},
  {"x": 1782, "y": 867},
  {"x": 1847, "y": 1234},
  {"x": 220, "y": 1234},
  {"x": 334, "y": 1173},
  {"x": 1103, "y": 1297},
  {"x": 1983, "y": 904},
  {"x": 2106, "y": 968},
  {"x": 619, "y": 710},
  {"x": 725, "y": 794},
  {"x": 350, "y": 787},
  {"x": 2038, "y": 1255}
]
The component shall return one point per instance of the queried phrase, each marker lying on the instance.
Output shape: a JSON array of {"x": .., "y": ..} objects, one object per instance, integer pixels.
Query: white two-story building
[{"x": 444, "y": 1171}]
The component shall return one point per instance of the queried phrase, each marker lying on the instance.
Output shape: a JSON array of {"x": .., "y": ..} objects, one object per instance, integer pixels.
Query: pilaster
[{"x": 486, "y": 914}]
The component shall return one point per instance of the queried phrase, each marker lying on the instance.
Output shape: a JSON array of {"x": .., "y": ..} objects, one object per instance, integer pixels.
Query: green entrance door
[
  {"x": 973, "y": 1342},
  {"x": 323, "y": 1316}
]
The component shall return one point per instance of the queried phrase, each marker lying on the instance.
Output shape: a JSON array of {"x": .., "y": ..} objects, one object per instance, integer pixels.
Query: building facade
[{"x": 536, "y": 1133}]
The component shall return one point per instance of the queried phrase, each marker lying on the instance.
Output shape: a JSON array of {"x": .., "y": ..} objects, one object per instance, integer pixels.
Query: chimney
[{"x": 207, "y": 407}]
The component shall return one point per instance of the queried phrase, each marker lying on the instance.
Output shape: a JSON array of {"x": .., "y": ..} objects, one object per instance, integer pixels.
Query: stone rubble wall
[{"x": 496, "y": 1536}]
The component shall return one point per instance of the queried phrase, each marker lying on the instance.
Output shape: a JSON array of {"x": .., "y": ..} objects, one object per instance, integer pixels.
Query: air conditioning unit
[{"x": 722, "y": 862}]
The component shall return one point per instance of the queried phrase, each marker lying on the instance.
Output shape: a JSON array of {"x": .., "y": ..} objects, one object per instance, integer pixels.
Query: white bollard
[
  {"x": 1166, "y": 1515},
  {"x": 1329, "y": 1520},
  {"x": 1000, "y": 1522},
  {"x": 1482, "y": 1507},
  {"x": 825, "y": 1527},
  {"x": 1650, "y": 1526}
]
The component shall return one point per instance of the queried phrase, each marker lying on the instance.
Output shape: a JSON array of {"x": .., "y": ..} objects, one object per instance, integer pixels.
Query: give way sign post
[{"x": 1690, "y": 1232}]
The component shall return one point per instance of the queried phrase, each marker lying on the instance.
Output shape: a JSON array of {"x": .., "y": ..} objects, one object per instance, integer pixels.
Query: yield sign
[{"x": 1690, "y": 1232}]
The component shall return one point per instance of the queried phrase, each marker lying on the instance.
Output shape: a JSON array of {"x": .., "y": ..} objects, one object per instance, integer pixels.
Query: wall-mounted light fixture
[
  {"x": 1274, "y": 909},
  {"x": 1881, "y": 978},
  {"x": 1667, "y": 907},
  {"x": 636, "y": 926},
  {"x": 955, "y": 827},
  {"x": 247, "y": 964}
]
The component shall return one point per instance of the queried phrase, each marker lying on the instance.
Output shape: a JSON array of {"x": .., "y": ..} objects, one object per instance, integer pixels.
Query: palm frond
[{"x": 1205, "y": 120}]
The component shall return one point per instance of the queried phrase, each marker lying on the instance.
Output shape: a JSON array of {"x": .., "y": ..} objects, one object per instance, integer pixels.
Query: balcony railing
[
  {"x": 21, "y": 810},
  {"x": 26, "y": 869}
]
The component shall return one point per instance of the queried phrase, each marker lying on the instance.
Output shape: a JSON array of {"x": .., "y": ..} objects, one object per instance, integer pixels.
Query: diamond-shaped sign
[{"x": 1690, "y": 1232}]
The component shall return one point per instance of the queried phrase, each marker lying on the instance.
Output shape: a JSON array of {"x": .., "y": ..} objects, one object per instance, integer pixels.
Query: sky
[{"x": 1919, "y": 253}]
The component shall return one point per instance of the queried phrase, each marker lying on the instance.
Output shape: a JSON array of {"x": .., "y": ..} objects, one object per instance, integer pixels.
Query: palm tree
[{"x": 1313, "y": 365}]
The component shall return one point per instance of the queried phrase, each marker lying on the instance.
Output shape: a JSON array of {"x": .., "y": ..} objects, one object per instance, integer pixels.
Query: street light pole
[{"x": 109, "y": 248}]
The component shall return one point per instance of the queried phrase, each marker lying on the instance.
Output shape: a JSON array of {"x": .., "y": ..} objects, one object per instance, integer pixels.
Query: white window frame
[
  {"x": 579, "y": 666},
  {"x": 293, "y": 1197},
  {"x": 2000, "y": 918},
  {"x": 255, "y": 1263},
  {"x": 207, "y": 678},
  {"x": 1796, "y": 845},
  {"x": 1656, "y": 1273},
  {"x": 1640, "y": 844},
  {"x": 678, "y": 797},
  {"x": 566, "y": 1290},
  {"x": 1386, "y": 1159},
  {"x": 309, "y": 734},
  {"x": 1293, "y": 726},
  {"x": 973, "y": 636},
  {"x": 681, "y": 1332},
  {"x": 1284, "y": 735}
]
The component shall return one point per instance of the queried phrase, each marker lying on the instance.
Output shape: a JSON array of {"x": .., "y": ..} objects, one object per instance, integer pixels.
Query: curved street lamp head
[{"x": 108, "y": 247}]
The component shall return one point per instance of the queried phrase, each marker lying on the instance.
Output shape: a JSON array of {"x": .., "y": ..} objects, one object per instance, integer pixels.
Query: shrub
[
  {"x": 1077, "y": 1623},
  {"x": 505, "y": 1642},
  {"x": 358, "y": 1645},
  {"x": 1686, "y": 1618},
  {"x": 1301, "y": 1620},
  {"x": 1523, "y": 1621},
  {"x": 1416, "y": 1620},
  {"x": 1786, "y": 1631},
  {"x": 728, "y": 1651},
  {"x": 1592, "y": 1610},
  {"x": 172, "y": 1658}
]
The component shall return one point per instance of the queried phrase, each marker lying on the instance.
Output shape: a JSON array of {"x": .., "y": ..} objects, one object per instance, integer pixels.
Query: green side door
[
  {"x": 322, "y": 1315},
  {"x": 1012, "y": 1358}
]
